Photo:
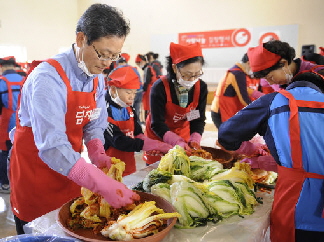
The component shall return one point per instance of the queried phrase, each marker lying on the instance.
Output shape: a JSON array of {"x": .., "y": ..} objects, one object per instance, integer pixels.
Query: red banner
[{"x": 217, "y": 39}]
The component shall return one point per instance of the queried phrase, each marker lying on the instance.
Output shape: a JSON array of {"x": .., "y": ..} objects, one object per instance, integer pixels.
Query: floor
[{"x": 7, "y": 225}]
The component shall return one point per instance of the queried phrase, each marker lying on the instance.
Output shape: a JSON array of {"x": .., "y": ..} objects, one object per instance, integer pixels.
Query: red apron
[
  {"x": 36, "y": 188},
  {"x": 6, "y": 113},
  {"x": 175, "y": 118},
  {"x": 146, "y": 94},
  {"x": 127, "y": 127},
  {"x": 290, "y": 180},
  {"x": 229, "y": 106}
]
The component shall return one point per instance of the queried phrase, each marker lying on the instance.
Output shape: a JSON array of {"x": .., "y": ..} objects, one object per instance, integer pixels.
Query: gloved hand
[
  {"x": 256, "y": 94},
  {"x": 251, "y": 149},
  {"x": 248, "y": 148},
  {"x": 266, "y": 162},
  {"x": 97, "y": 155},
  {"x": 151, "y": 144},
  {"x": 154, "y": 153},
  {"x": 92, "y": 178},
  {"x": 194, "y": 141},
  {"x": 264, "y": 82},
  {"x": 276, "y": 87},
  {"x": 174, "y": 139}
]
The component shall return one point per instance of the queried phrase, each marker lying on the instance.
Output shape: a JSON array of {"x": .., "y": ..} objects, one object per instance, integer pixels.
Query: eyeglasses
[
  {"x": 189, "y": 76},
  {"x": 114, "y": 57}
]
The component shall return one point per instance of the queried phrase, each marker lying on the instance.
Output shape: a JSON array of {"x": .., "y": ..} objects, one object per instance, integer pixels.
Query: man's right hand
[{"x": 92, "y": 178}]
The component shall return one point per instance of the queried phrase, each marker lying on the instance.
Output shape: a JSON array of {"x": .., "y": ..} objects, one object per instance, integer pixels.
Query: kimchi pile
[{"x": 138, "y": 220}]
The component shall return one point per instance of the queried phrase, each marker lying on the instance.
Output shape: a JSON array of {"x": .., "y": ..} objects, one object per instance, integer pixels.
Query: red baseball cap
[
  {"x": 125, "y": 56},
  {"x": 180, "y": 53},
  {"x": 9, "y": 60},
  {"x": 139, "y": 58},
  {"x": 260, "y": 58},
  {"x": 124, "y": 77},
  {"x": 321, "y": 50}
]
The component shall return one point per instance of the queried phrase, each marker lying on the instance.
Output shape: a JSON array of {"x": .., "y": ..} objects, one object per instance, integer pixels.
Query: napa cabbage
[
  {"x": 189, "y": 201},
  {"x": 162, "y": 190},
  {"x": 175, "y": 161},
  {"x": 155, "y": 176},
  {"x": 203, "y": 169}
]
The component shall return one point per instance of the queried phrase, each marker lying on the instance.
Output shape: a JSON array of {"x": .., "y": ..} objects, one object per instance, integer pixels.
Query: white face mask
[
  {"x": 187, "y": 84},
  {"x": 118, "y": 101},
  {"x": 83, "y": 66},
  {"x": 250, "y": 73},
  {"x": 289, "y": 76}
]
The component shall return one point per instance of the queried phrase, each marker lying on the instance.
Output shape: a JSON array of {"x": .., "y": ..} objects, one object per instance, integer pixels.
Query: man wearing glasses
[
  {"x": 62, "y": 104},
  {"x": 178, "y": 101}
]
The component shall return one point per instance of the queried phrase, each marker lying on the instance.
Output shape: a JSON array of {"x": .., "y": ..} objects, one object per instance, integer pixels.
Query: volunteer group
[{"x": 89, "y": 97}]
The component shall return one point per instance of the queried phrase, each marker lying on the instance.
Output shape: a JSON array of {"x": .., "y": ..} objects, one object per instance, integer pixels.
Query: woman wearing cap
[
  {"x": 275, "y": 61},
  {"x": 124, "y": 134},
  {"x": 178, "y": 100},
  {"x": 290, "y": 121}
]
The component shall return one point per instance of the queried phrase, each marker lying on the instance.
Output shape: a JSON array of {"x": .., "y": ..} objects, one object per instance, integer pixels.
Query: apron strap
[
  {"x": 64, "y": 77},
  {"x": 313, "y": 175},
  {"x": 60, "y": 71},
  {"x": 294, "y": 130},
  {"x": 167, "y": 88}
]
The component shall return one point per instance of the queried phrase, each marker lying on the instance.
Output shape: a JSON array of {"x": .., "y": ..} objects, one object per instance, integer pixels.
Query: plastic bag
[
  {"x": 40, "y": 238},
  {"x": 46, "y": 225}
]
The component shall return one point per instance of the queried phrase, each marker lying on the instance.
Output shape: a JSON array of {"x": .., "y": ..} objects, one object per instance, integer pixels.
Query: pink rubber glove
[
  {"x": 89, "y": 176},
  {"x": 276, "y": 87},
  {"x": 256, "y": 94},
  {"x": 97, "y": 155},
  {"x": 174, "y": 139},
  {"x": 151, "y": 144},
  {"x": 194, "y": 141},
  {"x": 248, "y": 148},
  {"x": 253, "y": 161},
  {"x": 264, "y": 82},
  {"x": 265, "y": 162}
]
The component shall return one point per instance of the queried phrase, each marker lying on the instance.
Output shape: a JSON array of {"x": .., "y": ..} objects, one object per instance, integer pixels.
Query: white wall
[
  {"x": 169, "y": 17},
  {"x": 44, "y": 26}
]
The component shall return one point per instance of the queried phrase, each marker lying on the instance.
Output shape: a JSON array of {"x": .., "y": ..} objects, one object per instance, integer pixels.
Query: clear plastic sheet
[
  {"x": 32, "y": 238},
  {"x": 251, "y": 228},
  {"x": 46, "y": 225}
]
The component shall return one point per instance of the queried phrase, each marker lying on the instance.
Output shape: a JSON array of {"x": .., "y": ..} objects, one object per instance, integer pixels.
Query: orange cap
[
  {"x": 124, "y": 77},
  {"x": 8, "y": 60},
  {"x": 125, "y": 56},
  {"x": 138, "y": 58},
  {"x": 321, "y": 50},
  {"x": 261, "y": 59},
  {"x": 181, "y": 53}
]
